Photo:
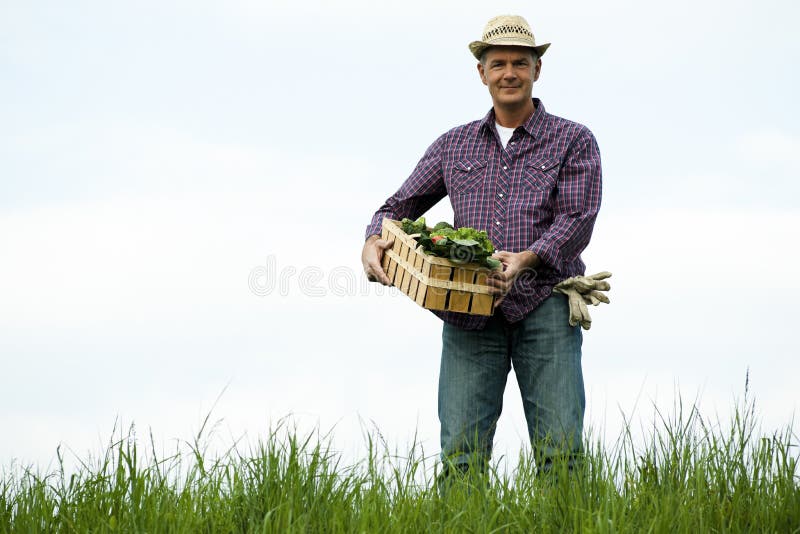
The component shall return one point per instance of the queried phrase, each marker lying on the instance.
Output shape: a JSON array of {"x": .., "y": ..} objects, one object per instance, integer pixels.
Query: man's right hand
[{"x": 371, "y": 257}]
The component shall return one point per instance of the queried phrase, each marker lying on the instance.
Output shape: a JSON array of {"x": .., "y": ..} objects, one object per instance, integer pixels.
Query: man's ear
[
  {"x": 483, "y": 74},
  {"x": 537, "y": 69}
]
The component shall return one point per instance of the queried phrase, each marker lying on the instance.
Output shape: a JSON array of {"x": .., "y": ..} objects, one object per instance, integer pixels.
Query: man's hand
[
  {"x": 371, "y": 256},
  {"x": 514, "y": 264}
]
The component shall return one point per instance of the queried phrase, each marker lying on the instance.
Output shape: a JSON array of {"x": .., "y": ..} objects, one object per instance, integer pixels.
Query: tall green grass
[{"x": 686, "y": 476}]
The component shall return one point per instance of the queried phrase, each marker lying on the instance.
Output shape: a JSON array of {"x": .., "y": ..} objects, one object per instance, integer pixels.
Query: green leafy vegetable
[
  {"x": 462, "y": 245},
  {"x": 414, "y": 227}
]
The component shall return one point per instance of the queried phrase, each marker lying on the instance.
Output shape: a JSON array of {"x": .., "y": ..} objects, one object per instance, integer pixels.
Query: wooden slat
[
  {"x": 397, "y": 273},
  {"x": 422, "y": 291},
  {"x": 391, "y": 270},
  {"x": 398, "y": 244},
  {"x": 418, "y": 261},
  {"x": 459, "y": 300},
  {"x": 436, "y": 297},
  {"x": 401, "y": 270},
  {"x": 408, "y": 276},
  {"x": 482, "y": 304},
  {"x": 426, "y": 266},
  {"x": 385, "y": 259},
  {"x": 413, "y": 282}
]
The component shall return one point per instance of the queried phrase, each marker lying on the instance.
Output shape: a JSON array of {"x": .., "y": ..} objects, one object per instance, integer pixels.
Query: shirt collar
[{"x": 534, "y": 125}]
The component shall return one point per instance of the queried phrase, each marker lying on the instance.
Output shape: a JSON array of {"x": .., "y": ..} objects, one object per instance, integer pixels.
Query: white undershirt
[{"x": 505, "y": 133}]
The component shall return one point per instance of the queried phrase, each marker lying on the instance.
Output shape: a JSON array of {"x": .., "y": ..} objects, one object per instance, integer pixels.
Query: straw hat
[{"x": 506, "y": 30}]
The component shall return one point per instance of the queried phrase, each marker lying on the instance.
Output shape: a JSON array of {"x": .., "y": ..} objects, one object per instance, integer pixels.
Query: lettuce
[{"x": 459, "y": 245}]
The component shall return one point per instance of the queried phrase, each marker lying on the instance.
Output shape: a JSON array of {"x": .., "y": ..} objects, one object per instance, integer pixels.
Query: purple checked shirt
[{"x": 541, "y": 193}]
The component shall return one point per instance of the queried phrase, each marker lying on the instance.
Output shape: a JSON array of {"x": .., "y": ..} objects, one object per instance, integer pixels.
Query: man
[{"x": 533, "y": 182}]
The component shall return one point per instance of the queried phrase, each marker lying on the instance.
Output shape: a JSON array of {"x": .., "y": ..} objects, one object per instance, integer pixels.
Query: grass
[{"x": 686, "y": 476}]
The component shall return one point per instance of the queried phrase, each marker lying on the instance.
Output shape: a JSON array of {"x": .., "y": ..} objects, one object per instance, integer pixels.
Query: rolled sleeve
[
  {"x": 421, "y": 191},
  {"x": 576, "y": 205}
]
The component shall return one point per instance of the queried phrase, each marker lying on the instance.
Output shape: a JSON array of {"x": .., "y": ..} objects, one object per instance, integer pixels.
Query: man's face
[{"x": 509, "y": 72}]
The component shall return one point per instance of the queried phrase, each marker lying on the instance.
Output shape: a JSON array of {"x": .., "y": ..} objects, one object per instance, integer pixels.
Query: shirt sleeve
[
  {"x": 577, "y": 203},
  {"x": 421, "y": 191}
]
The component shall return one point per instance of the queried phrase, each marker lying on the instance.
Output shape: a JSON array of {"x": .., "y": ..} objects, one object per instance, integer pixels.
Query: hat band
[{"x": 504, "y": 29}]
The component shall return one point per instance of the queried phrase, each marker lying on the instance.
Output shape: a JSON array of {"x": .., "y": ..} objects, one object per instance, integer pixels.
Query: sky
[{"x": 184, "y": 189}]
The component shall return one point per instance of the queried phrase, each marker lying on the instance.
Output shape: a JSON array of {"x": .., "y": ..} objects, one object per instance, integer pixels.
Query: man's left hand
[{"x": 514, "y": 264}]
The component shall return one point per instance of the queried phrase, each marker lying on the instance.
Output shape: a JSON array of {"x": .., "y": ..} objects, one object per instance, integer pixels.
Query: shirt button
[
  {"x": 505, "y": 168},
  {"x": 469, "y": 169},
  {"x": 498, "y": 223},
  {"x": 513, "y": 142},
  {"x": 500, "y": 195},
  {"x": 543, "y": 166}
]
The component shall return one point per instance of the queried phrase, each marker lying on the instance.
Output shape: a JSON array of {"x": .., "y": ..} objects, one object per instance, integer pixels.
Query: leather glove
[{"x": 583, "y": 290}]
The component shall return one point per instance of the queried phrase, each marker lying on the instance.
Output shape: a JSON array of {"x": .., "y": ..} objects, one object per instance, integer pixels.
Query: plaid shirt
[{"x": 541, "y": 193}]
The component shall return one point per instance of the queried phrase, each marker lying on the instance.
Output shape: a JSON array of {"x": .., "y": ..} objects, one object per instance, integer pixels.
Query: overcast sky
[{"x": 184, "y": 189}]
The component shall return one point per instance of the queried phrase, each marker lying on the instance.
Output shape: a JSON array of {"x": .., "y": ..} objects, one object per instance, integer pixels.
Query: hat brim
[{"x": 479, "y": 47}]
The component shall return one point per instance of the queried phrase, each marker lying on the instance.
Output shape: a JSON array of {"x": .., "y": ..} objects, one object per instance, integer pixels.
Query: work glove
[{"x": 583, "y": 290}]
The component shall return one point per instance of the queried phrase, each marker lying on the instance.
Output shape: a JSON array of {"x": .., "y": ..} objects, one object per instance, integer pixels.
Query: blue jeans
[{"x": 545, "y": 352}]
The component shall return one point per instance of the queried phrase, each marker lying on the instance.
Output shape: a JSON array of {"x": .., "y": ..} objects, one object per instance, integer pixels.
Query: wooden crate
[{"x": 434, "y": 283}]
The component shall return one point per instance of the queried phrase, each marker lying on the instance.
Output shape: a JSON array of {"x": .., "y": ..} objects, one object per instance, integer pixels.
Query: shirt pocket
[
  {"x": 468, "y": 176},
  {"x": 541, "y": 174},
  {"x": 538, "y": 185}
]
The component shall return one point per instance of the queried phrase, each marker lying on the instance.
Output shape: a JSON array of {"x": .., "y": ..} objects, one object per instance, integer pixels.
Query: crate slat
[
  {"x": 386, "y": 235},
  {"x": 414, "y": 287},
  {"x": 482, "y": 304},
  {"x": 459, "y": 300},
  {"x": 408, "y": 256},
  {"x": 392, "y": 270},
  {"x": 398, "y": 281},
  {"x": 437, "y": 296}
]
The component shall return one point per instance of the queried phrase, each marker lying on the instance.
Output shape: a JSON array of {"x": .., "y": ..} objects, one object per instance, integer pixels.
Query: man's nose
[{"x": 509, "y": 72}]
